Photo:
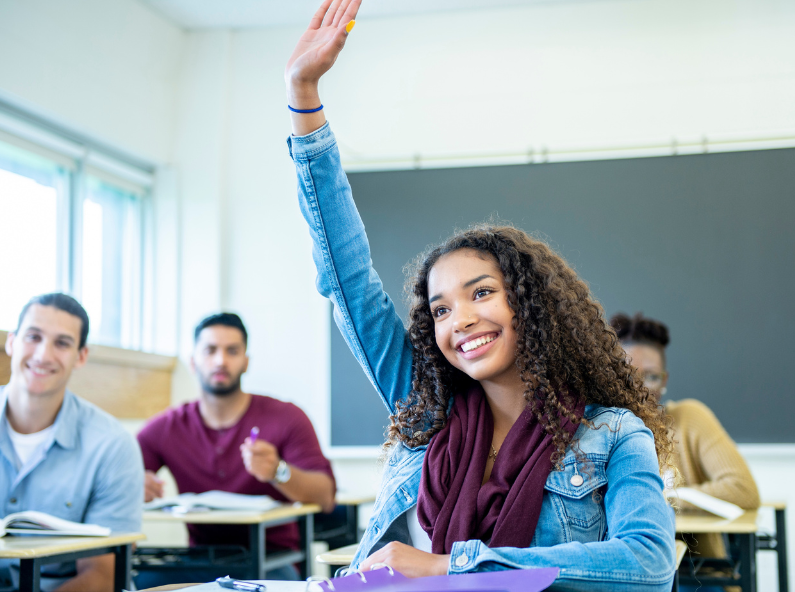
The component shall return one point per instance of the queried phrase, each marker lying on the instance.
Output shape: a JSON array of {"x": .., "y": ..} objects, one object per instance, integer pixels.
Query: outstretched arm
[
  {"x": 363, "y": 312},
  {"x": 314, "y": 55}
]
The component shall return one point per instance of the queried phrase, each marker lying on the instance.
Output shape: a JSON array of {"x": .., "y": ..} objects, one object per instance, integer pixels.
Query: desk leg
[
  {"x": 121, "y": 571},
  {"x": 353, "y": 524},
  {"x": 257, "y": 546},
  {"x": 781, "y": 550},
  {"x": 306, "y": 525},
  {"x": 30, "y": 575},
  {"x": 748, "y": 562}
]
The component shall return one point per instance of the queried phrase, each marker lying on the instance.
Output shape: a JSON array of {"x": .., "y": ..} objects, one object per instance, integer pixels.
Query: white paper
[
  {"x": 706, "y": 502},
  {"x": 213, "y": 500}
]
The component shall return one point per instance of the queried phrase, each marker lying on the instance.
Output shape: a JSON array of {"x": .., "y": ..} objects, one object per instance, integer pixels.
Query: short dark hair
[
  {"x": 228, "y": 319},
  {"x": 62, "y": 302},
  {"x": 640, "y": 329}
]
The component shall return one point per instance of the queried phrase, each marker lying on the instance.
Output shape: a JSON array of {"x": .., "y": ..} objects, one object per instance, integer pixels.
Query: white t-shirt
[
  {"x": 419, "y": 538},
  {"x": 25, "y": 445}
]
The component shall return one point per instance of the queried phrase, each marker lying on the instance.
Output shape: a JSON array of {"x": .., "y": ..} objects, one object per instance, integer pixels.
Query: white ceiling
[{"x": 200, "y": 14}]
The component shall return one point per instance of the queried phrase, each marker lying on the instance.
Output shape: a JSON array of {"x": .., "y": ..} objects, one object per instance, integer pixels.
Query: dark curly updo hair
[
  {"x": 640, "y": 329},
  {"x": 566, "y": 353}
]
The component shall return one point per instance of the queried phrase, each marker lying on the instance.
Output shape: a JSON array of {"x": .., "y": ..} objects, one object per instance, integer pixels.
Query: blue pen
[{"x": 232, "y": 584}]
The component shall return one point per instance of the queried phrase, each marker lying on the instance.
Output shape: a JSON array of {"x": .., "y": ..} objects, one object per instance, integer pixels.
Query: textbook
[
  {"x": 39, "y": 523},
  {"x": 213, "y": 500}
]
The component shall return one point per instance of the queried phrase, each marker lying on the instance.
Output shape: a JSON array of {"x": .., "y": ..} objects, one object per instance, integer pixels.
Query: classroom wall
[
  {"x": 109, "y": 67},
  {"x": 566, "y": 73}
]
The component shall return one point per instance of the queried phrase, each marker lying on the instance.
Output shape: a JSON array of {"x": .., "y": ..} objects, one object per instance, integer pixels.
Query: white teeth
[{"x": 475, "y": 343}]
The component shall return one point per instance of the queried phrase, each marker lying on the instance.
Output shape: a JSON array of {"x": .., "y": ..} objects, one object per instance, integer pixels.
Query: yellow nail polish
[{"x": 349, "y": 26}]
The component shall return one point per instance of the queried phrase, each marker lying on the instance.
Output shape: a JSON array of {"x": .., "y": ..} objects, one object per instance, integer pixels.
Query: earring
[{"x": 663, "y": 390}]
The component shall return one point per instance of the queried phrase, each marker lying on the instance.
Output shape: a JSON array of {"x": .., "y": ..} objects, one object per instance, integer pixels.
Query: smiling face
[
  {"x": 472, "y": 318},
  {"x": 44, "y": 350},
  {"x": 219, "y": 359}
]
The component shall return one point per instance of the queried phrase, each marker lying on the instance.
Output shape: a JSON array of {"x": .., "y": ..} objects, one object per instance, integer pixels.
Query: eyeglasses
[{"x": 653, "y": 380}]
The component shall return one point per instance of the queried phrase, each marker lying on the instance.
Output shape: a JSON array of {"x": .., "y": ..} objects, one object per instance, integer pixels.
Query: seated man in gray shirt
[{"x": 60, "y": 454}]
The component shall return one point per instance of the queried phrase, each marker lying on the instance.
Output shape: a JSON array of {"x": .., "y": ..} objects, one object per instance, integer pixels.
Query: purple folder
[{"x": 381, "y": 580}]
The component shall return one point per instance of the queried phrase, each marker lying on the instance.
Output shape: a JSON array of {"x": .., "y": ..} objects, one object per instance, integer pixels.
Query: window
[
  {"x": 72, "y": 220},
  {"x": 111, "y": 262}
]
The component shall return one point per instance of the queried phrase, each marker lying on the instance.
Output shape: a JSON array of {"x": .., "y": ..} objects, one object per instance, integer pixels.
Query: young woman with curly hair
[{"x": 520, "y": 437}]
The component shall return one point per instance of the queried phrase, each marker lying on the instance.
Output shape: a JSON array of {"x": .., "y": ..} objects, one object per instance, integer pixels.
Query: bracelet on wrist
[{"x": 305, "y": 110}]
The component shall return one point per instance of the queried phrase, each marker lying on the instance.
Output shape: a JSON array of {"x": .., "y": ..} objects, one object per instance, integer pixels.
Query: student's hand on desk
[
  {"x": 153, "y": 487},
  {"x": 260, "y": 458},
  {"x": 409, "y": 561}
]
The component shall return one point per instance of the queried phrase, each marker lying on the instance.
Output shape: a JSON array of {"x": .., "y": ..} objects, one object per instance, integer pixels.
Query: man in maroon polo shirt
[{"x": 206, "y": 443}]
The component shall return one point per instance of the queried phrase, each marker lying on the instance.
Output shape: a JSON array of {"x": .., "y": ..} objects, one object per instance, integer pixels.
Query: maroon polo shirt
[{"x": 201, "y": 459}]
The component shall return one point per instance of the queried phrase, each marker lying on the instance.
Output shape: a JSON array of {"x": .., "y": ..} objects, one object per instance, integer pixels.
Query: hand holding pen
[{"x": 260, "y": 458}]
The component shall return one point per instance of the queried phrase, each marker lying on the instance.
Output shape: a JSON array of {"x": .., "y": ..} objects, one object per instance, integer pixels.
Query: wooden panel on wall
[{"x": 126, "y": 384}]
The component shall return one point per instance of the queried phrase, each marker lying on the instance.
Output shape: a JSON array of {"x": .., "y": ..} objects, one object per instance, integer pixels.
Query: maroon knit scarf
[{"x": 452, "y": 506}]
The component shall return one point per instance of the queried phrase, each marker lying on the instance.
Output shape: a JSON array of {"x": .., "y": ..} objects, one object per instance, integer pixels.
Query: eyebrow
[{"x": 466, "y": 285}]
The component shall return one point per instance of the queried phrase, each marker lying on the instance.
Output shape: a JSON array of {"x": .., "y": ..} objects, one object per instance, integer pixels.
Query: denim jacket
[{"x": 608, "y": 529}]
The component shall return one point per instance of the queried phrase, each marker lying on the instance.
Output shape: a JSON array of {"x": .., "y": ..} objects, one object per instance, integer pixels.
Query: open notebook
[
  {"x": 39, "y": 523},
  {"x": 213, "y": 500}
]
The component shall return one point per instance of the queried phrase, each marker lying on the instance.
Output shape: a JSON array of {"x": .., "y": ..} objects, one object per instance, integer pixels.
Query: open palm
[{"x": 321, "y": 43}]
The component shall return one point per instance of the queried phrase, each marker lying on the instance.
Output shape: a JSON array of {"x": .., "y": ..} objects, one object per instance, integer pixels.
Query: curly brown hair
[{"x": 566, "y": 353}]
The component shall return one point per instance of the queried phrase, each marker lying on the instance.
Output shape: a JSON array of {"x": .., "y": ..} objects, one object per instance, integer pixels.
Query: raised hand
[
  {"x": 313, "y": 56},
  {"x": 321, "y": 43}
]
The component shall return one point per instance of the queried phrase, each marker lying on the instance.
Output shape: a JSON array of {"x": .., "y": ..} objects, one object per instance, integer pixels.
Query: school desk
[
  {"x": 744, "y": 566},
  {"x": 341, "y": 527},
  {"x": 35, "y": 551},
  {"x": 341, "y": 556},
  {"x": 257, "y": 559}
]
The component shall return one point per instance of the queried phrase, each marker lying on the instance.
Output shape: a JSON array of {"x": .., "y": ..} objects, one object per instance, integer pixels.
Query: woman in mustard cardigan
[{"x": 707, "y": 457}]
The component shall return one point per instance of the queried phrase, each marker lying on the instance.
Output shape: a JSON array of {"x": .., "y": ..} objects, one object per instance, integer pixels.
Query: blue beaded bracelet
[{"x": 304, "y": 110}]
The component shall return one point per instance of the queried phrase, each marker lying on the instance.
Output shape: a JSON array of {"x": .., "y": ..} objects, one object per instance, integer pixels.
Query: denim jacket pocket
[{"x": 577, "y": 502}]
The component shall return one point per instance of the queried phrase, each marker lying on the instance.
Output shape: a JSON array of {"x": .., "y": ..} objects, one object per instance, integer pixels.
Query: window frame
[{"x": 34, "y": 130}]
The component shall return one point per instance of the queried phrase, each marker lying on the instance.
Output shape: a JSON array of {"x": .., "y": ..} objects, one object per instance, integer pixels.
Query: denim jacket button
[
  {"x": 576, "y": 480},
  {"x": 461, "y": 560}
]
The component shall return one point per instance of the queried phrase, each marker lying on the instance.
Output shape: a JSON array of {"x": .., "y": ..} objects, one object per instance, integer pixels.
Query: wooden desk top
[
  {"x": 234, "y": 517},
  {"x": 341, "y": 556},
  {"x": 345, "y": 498},
  {"x": 775, "y": 504},
  {"x": 31, "y": 547},
  {"x": 696, "y": 522}
]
